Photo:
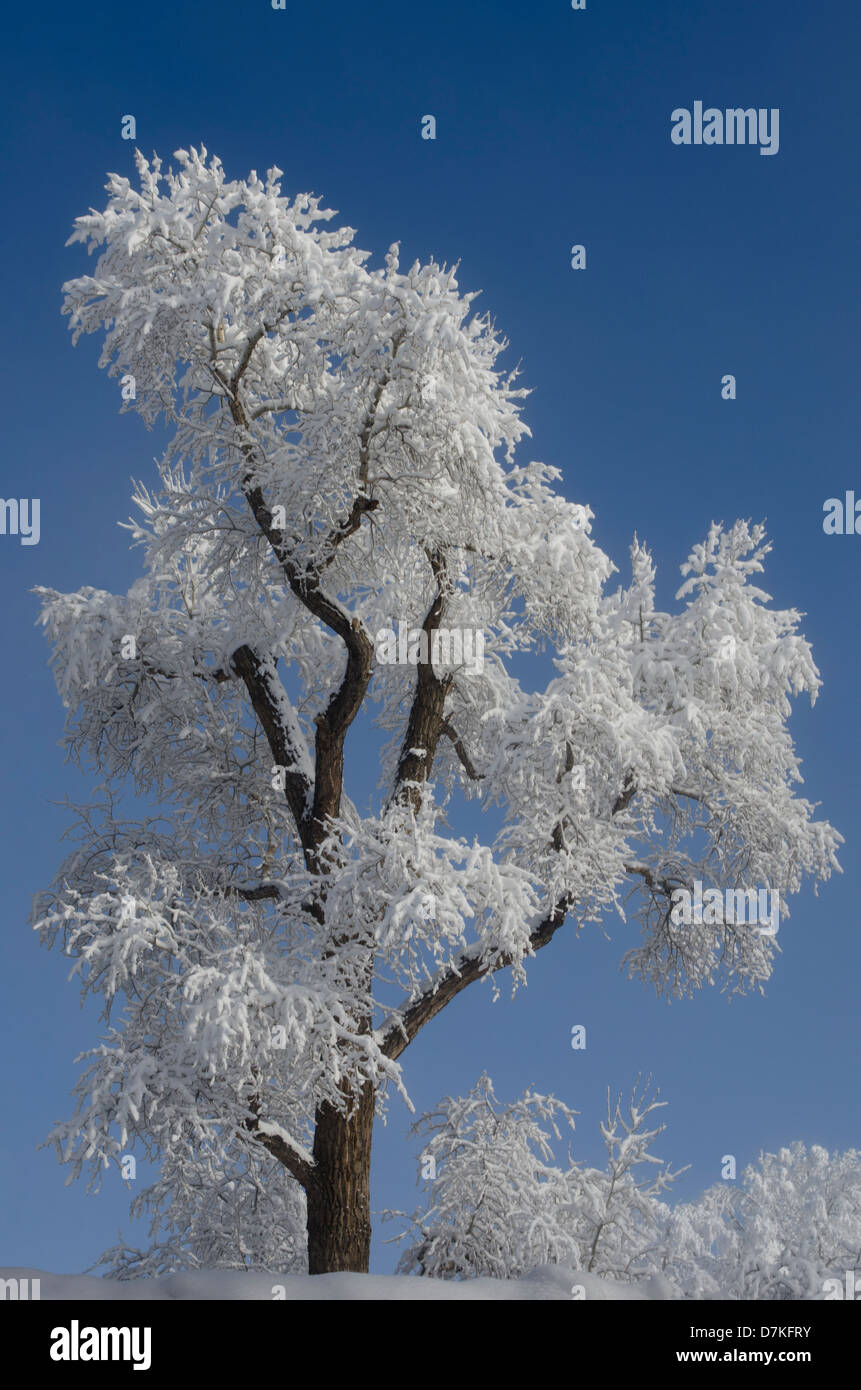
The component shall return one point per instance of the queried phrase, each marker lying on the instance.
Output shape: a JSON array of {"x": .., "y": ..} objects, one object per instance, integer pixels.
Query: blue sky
[{"x": 552, "y": 129}]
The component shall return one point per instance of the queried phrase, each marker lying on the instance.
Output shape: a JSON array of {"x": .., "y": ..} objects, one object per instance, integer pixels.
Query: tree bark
[{"x": 339, "y": 1190}]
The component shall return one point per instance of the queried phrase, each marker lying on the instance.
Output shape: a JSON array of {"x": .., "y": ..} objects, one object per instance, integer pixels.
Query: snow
[{"x": 546, "y": 1283}]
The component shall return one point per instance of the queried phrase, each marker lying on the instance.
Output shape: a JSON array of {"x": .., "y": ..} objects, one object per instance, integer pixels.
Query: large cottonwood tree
[{"x": 341, "y": 460}]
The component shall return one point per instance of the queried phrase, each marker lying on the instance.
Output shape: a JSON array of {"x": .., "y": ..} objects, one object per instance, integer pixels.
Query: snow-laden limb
[
  {"x": 224, "y": 1028},
  {"x": 342, "y": 462},
  {"x": 247, "y": 1216}
]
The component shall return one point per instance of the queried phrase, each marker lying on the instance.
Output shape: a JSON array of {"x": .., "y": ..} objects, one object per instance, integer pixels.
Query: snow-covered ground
[{"x": 549, "y": 1282}]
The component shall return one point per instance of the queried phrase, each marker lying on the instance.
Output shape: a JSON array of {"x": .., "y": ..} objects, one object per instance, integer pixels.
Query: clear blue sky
[{"x": 553, "y": 129}]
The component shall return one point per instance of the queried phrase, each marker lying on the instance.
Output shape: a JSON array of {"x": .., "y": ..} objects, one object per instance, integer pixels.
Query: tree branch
[
  {"x": 371, "y": 415},
  {"x": 333, "y": 723},
  {"x": 682, "y": 791},
  {"x": 460, "y": 750},
  {"x": 663, "y": 885},
  {"x": 348, "y": 526},
  {"x": 256, "y": 895},
  {"x": 469, "y": 969},
  {"x": 268, "y": 706},
  {"x": 426, "y": 718},
  {"x": 278, "y": 1147},
  {"x": 626, "y": 795},
  {"x": 207, "y": 674}
]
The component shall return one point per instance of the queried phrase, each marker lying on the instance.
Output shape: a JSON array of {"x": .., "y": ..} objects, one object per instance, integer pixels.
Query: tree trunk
[{"x": 339, "y": 1194}]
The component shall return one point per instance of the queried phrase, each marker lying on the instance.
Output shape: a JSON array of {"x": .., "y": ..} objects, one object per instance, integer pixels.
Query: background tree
[
  {"x": 499, "y": 1204},
  {"x": 615, "y": 1215},
  {"x": 792, "y": 1223},
  {"x": 341, "y": 459}
]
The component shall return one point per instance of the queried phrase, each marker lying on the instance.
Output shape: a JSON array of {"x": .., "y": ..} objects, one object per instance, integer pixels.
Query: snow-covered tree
[
  {"x": 686, "y": 1253},
  {"x": 341, "y": 460},
  {"x": 792, "y": 1223},
  {"x": 616, "y": 1215},
  {"x": 497, "y": 1205}
]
